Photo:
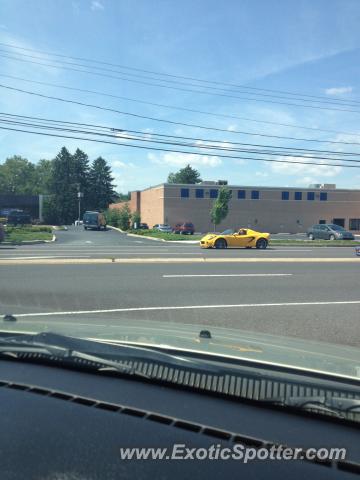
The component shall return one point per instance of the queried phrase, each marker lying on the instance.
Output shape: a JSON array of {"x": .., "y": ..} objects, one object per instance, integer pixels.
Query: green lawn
[
  {"x": 165, "y": 236},
  {"x": 27, "y": 233}
]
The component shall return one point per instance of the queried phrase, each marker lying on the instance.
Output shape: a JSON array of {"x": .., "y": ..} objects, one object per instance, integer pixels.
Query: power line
[
  {"x": 238, "y": 157},
  {"x": 177, "y": 143},
  {"x": 171, "y": 75},
  {"x": 293, "y": 150},
  {"x": 161, "y": 105},
  {"x": 317, "y": 107},
  {"x": 172, "y": 122}
]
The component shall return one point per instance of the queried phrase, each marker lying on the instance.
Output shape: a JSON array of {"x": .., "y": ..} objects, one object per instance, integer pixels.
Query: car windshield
[
  {"x": 133, "y": 132},
  {"x": 336, "y": 227}
]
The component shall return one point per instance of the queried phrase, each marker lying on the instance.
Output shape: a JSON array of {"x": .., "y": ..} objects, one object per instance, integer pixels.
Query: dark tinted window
[
  {"x": 255, "y": 194},
  {"x": 184, "y": 193},
  {"x": 354, "y": 224},
  {"x": 323, "y": 196},
  {"x": 213, "y": 193},
  {"x": 91, "y": 216},
  {"x": 199, "y": 193},
  {"x": 311, "y": 196},
  {"x": 298, "y": 196},
  {"x": 241, "y": 194},
  {"x": 190, "y": 225},
  {"x": 285, "y": 195}
]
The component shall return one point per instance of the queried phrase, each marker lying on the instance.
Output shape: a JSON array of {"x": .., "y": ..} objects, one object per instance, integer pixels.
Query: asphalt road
[{"x": 315, "y": 297}]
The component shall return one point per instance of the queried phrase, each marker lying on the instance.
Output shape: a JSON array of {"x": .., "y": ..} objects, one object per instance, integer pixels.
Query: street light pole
[{"x": 80, "y": 195}]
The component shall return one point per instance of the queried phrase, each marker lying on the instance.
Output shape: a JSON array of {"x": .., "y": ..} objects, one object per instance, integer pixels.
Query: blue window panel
[
  {"x": 242, "y": 194},
  {"x": 323, "y": 196},
  {"x": 213, "y": 193},
  {"x": 255, "y": 194},
  {"x": 184, "y": 193},
  {"x": 199, "y": 193},
  {"x": 285, "y": 195},
  {"x": 298, "y": 196},
  {"x": 311, "y": 196}
]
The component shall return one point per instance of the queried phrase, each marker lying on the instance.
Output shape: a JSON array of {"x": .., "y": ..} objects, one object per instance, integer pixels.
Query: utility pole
[{"x": 80, "y": 195}]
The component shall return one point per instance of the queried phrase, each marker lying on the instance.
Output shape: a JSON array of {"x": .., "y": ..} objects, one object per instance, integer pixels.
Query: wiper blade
[
  {"x": 106, "y": 350},
  {"x": 337, "y": 406},
  {"x": 15, "y": 350}
]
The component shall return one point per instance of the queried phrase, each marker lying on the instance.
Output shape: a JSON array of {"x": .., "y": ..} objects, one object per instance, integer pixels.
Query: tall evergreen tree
[
  {"x": 101, "y": 184},
  {"x": 64, "y": 187},
  {"x": 81, "y": 177}
]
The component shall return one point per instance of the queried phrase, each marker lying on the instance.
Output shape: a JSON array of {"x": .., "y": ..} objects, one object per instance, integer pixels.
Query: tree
[
  {"x": 43, "y": 175},
  {"x": 81, "y": 177},
  {"x": 186, "y": 175},
  {"x": 136, "y": 218},
  {"x": 124, "y": 217},
  {"x": 17, "y": 176},
  {"x": 220, "y": 207},
  {"x": 101, "y": 184},
  {"x": 64, "y": 188}
]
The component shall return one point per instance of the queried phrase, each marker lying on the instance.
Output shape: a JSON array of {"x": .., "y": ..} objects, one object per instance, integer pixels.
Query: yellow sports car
[{"x": 245, "y": 237}]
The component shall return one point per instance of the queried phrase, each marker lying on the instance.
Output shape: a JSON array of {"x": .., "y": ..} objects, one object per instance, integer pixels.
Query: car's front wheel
[
  {"x": 332, "y": 237},
  {"x": 221, "y": 243},
  {"x": 311, "y": 236},
  {"x": 261, "y": 243}
]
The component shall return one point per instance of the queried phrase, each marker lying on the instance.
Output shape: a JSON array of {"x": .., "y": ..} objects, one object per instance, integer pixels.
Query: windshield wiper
[
  {"x": 336, "y": 406},
  {"x": 108, "y": 354}
]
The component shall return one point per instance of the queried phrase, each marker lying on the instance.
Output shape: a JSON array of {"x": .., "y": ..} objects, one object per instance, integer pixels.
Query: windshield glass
[
  {"x": 337, "y": 227},
  {"x": 176, "y": 121}
]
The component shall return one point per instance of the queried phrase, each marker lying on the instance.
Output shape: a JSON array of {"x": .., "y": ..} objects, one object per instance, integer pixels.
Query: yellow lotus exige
[{"x": 245, "y": 237}]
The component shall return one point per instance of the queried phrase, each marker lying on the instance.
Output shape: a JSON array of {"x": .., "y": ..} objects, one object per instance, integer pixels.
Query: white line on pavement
[
  {"x": 187, "y": 307},
  {"x": 233, "y": 275}
]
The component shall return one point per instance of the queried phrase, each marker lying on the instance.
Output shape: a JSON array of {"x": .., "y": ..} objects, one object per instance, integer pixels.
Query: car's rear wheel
[
  {"x": 85, "y": 228},
  {"x": 261, "y": 243},
  {"x": 311, "y": 236},
  {"x": 221, "y": 243},
  {"x": 332, "y": 237}
]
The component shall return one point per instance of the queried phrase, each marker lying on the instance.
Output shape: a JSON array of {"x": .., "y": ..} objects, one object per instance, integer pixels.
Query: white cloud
[
  {"x": 231, "y": 128},
  {"x": 261, "y": 174},
  {"x": 182, "y": 159},
  {"x": 293, "y": 168},
  {"x": 338, "y": 90},
  {"x": 121, "y": 164},
  {"x": 96, "y": 5}
]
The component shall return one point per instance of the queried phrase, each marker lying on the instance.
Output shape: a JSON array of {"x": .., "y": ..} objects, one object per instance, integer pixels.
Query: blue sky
[{"x": 300, "y": 46}]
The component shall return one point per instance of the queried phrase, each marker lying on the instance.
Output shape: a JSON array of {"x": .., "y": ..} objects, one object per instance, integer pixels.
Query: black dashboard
[{"x": 60, "y": 424}]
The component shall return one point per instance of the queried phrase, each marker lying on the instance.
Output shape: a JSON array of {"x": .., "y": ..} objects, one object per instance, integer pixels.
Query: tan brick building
[{"x": 271, "y": 209}]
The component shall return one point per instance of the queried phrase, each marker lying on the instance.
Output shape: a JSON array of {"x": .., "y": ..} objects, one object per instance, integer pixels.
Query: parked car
[
  {"x": 186, "y": 228},
  {"x": 94, "y": 220},
  {"x": 2, "y": 233},
  {"x": 162, "y": 227},
  {"x": 18, "y": 218},
  {"x": 329, "y": 231},
  {"x": 143, "y": 226}
]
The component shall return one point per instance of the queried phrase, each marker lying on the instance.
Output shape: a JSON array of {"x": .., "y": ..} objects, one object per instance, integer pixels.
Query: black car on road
[{"x": 329, "y": 231}]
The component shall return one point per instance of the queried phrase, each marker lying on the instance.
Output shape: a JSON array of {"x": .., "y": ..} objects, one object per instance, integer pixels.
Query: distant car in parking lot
[
  {"x": 162, "y": 227},
  {"x": 94, "y": 220},
  {"x": 143, "y": 226},
  {"x": 2, "y": 233},
  {"x": 186, "y": 228},
  {"x": 329, "y": 231}
]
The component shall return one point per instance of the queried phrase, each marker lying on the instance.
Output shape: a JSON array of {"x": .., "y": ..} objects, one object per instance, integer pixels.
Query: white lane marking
[
  {"x": 41, "y": 257},
  {"x": 88, "y": 241},
  {"x": 233, "y": 275},
  {"x": 188, "y": 307}
]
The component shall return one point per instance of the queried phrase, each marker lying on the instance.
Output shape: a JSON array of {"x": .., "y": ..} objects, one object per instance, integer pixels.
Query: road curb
[
  {"x": 31, "y": 242},
  {"x": 194, "y": 242}
]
